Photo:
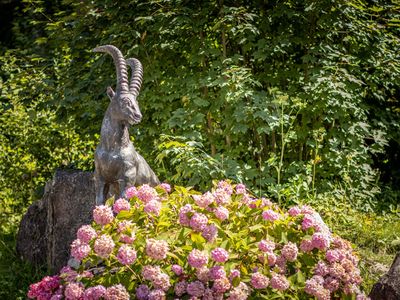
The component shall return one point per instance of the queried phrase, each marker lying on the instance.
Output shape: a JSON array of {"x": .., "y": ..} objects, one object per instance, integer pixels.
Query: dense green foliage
[
  {"x": 298, "y": 99},
  {"x": 294, "y": 98}
]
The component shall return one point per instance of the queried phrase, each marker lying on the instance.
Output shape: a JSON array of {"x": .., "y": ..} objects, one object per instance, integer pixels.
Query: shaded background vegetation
[{"x": 297, "y": 99}]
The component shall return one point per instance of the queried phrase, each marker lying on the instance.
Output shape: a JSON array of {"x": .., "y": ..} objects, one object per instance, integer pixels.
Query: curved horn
[
  {"x": 137, "y": 75},
  {"x": 120, "y": 65}
]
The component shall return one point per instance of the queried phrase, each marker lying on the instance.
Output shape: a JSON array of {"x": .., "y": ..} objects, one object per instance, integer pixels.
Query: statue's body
[{"x": 116, "y": 161}]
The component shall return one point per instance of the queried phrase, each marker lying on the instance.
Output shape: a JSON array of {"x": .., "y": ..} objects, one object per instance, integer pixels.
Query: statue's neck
[{"x": 114, "y": 133}]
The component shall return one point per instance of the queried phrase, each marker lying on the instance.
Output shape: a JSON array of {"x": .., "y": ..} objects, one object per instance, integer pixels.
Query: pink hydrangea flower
[
  {"x": 177, "y": 269},
  {"x": 247, "y": 200},
  {"x": 166, "y": 187},
  {"x": 320, "y": 241},
  {"x": 203, "y": 274},
  {"x": 314, "y": 287},
  {"x": 156, "y": 249},
  {"x": 340, "y": 243},
  {"x": 265, "y": 202},
  {"x": 270, "y": 215},
  {"x": 219, "y": 255},
  {"x": 79, "y": 249},
  {"x": 350, "y": 289},
  {"x": 127, "y": 239},
  {"x": 221, "y": 213},
  {"x": 221, "y": 197},
  {"x": 86, "y": 233},
  {"x": 161, "y": 281},
  {"x": 333, "y": 256},
  {"x": 259, "y": 281},
  {"x": 241, "y": 292},
  {"x": 221, "y": 285},
  {"x": 308, "y": 222},
  {"x": 74, "y": 291},
  {"x": 142, "y": 292},
  {"x": 124, "y": 225},
  {"x": 94, "y": 293},
  {"x": 240, "y": 188},
  {"x": 217, "y": 272},
  {"x": 332, "y": 284},
  {"x": 290, "y": 251},
  {"x": 266, "y": 246},
  {"x": 183, "y": 217},
  {"x": 294, "y": 211},
  {"x": 147, "y": 193},
  {"x": 195, "y": 288},
  {"x": 156, "y": 295},
  {"x": 120, "y": 205},
  {"x": 346, "y": 264},
  {"x": 281, "y": 263},
  {"x": 272, "y": 259},
  {"x": 104, "y": 246},
  {"x": 321, "y": 269},
  {"x": 209, "y": 294},
  {"x": 126, "y": 255},
  {"x": 116, "y": 292},
  {"x": 153, "y": 206},
  {"x": 150, "y": 272},
  {"x": 204, "y": 200},
  {"x": 68, "y": 274},
  {"x": 279, "y": 282},
  {"x": 225, "y": 186},
  {"x": 198, "y": 221},
  {"x": 103, "y": 215},
  {"x": 323, "y": 294},
  {"x": 44, "y": 287},
  {"x": 131, "y": 192},
  {"x": 313, "y": 220},
  {"x": 197, "y": 258},
  {"x": 210, "y": 233},
  {"x": 337, "y": 270},
  {"x": 306, "y": 246}
]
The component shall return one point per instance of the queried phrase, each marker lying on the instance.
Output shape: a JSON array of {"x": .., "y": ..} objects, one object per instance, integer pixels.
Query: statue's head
[{"x": 124, "y": 105}]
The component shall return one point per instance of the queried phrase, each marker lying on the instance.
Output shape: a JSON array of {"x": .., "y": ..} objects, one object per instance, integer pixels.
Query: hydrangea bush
[{"x": 223, "y": 244}]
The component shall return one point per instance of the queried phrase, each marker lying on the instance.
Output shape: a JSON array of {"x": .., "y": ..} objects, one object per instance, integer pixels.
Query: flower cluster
[
  {"x": 156, "y": 249},
  {"x": 103, "y": 215},
  {"x": 46, "y": 288},
  {"x": 157, "y": 243},
  {"x": 158, "y": 279}
]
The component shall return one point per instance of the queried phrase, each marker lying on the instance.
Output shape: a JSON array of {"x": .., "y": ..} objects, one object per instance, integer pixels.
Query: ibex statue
[{"x": 116, "y": 161}]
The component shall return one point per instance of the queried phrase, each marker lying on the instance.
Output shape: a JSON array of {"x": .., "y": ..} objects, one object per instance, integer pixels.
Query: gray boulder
[
  {"x": 388, "y": 287},
  {"x": 50, "y": 224}
]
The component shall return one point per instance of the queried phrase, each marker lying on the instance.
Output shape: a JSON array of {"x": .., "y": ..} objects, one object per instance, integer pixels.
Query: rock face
[
  {"x": 388, "y": 287},
  {"x": 50, "y": 224}
]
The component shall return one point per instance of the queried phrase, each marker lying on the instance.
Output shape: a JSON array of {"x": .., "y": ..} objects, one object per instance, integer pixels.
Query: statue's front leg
[
  {"x": 121, "y": 187},
  {"x": 99, "y": 184}
]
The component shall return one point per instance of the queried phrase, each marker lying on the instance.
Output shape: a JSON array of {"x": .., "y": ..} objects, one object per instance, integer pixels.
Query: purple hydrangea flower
[
  {"x": 197, "y": 258},
  {"x": 219, "y": 255},
  {"x": 259, "y": 281}
]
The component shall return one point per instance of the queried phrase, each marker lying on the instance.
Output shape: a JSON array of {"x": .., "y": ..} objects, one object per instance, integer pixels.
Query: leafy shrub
[
  {"x": 221, "y": 244},
  {"x": 32, "y": 143}
]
